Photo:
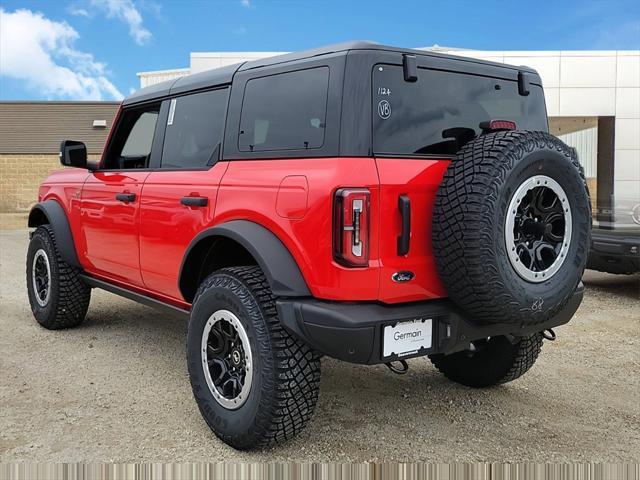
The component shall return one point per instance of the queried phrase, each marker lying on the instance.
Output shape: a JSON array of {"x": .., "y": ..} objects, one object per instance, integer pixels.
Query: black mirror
[{"x": 73, "y": 154}]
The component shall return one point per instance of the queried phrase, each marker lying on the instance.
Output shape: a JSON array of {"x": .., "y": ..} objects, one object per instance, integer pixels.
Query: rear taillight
[
  {"x": 351, "y": 227},
  {"x": 497, "y": 125}
]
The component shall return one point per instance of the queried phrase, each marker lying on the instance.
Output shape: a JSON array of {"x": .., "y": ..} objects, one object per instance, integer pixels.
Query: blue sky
[{"x": 92, "y": 49}]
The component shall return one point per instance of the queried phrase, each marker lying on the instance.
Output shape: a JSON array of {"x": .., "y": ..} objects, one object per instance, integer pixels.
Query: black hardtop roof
[{"x": 224, "y": 75}]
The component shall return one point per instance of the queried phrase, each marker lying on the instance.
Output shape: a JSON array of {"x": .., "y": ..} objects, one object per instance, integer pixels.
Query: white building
[{"x": 593, "y": 104}]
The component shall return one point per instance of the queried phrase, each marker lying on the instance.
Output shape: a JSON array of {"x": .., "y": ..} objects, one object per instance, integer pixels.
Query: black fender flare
[
  {"x": 275, "y": 260},
  {"x": 51, "y": 212}
]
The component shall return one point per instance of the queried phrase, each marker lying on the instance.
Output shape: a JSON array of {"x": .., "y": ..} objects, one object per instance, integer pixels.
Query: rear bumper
[
  {"x": 614, "y": 253},
  {"x": 353, "y": 331}
]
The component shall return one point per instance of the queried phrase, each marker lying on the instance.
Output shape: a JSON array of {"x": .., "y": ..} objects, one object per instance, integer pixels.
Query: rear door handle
[
  {"x": 194, "y": 201},
  {"x": 125, "y": 197},
  {"x": 404, "y": 205}
]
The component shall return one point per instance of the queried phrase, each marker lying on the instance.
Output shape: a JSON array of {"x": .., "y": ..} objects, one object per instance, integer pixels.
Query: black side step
[{"x": 136, "y": 297}]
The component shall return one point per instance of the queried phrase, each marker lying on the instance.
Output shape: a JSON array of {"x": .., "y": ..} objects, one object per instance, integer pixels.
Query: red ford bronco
[{"x": 364, "y": 202}]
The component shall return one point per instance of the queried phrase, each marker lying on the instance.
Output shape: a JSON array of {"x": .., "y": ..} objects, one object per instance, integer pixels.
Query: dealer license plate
[{"x": 407, "y": 338}]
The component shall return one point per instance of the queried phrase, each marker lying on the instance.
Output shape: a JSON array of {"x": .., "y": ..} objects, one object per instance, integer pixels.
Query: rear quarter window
[
  {"x": 286, "y": 111},
  {"x": 442, "y": 110}
]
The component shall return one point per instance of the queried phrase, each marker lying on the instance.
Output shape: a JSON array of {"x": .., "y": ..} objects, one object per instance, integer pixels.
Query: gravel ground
[{"x": 116, "y": 390}]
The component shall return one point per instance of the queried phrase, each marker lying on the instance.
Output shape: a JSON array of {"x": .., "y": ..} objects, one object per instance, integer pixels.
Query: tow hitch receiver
[
  {"x": 401, "y": 370},
  {"x": 548, "y": 334}
]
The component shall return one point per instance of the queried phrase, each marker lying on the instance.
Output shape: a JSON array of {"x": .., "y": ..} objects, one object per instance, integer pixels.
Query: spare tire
[{"x": 511, "y": 227}]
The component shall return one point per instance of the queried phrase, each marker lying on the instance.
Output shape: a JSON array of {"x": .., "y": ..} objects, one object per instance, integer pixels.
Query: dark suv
[
  {"x": 364, "y": 202},
  {"x": 615, "y": 237}
]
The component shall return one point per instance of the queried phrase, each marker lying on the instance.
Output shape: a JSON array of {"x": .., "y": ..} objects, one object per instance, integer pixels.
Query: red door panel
[
  {"x": 168, "y": 226},
  {"x": 419, "y": 180},
  {"x": 110, "y": 227}
]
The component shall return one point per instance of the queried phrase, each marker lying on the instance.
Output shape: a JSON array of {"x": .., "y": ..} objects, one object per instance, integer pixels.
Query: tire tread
[
  {"x": 73, "y": 295},
  {"x": 295, "y": 366},
  {"x": 474, "y": 372}
]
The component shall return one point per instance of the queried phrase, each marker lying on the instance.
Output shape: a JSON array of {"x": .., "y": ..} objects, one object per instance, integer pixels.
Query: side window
[
  {"x": 286, "y": 111},
  {"x": 194, "y": 129},
  {"x": 132, "y": 139},
  {"x": 139, "y": 141}
]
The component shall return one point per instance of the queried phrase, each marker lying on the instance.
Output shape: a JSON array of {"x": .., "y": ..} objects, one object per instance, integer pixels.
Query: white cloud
[
  {"x": 41, "y": 52},
  {"x": 78, "y": 12},
  {"x": 127, "y": 12},
  {"x": 245, "y": 3}
]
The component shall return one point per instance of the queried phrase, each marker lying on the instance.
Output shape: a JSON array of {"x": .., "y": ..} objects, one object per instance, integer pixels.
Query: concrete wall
[{"x": 20, "y": 176}]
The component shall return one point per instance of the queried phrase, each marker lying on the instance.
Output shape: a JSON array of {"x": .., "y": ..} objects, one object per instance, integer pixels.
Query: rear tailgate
[
  {"x": 420, "y": 121},
  {"x": 417, "y": 180}
]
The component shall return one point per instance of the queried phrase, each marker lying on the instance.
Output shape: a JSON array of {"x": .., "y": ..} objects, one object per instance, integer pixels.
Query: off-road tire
[
  {"x": 497, "y": 361},
  {"x": 286, "y": 372},
  {"x": 469, "y": 227},
  {"x": 69, "y": 296}
]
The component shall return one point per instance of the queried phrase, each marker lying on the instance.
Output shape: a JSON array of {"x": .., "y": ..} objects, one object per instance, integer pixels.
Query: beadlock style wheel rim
[
  {"x": 538, "y": 228},
  {"x": 41, "y": 277},
  {"x": 226, "y": 359}
]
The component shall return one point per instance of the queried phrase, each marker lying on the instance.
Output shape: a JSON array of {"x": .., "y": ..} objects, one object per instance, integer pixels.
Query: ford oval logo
[{"x": 401, "y": 277}]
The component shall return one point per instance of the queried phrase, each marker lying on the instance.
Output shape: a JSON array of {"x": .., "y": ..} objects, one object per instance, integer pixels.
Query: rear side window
[
  {"x": 285, "y": 111},
  {"x": 194, "y": 130},
  {"x": 443, "y": 110}
]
